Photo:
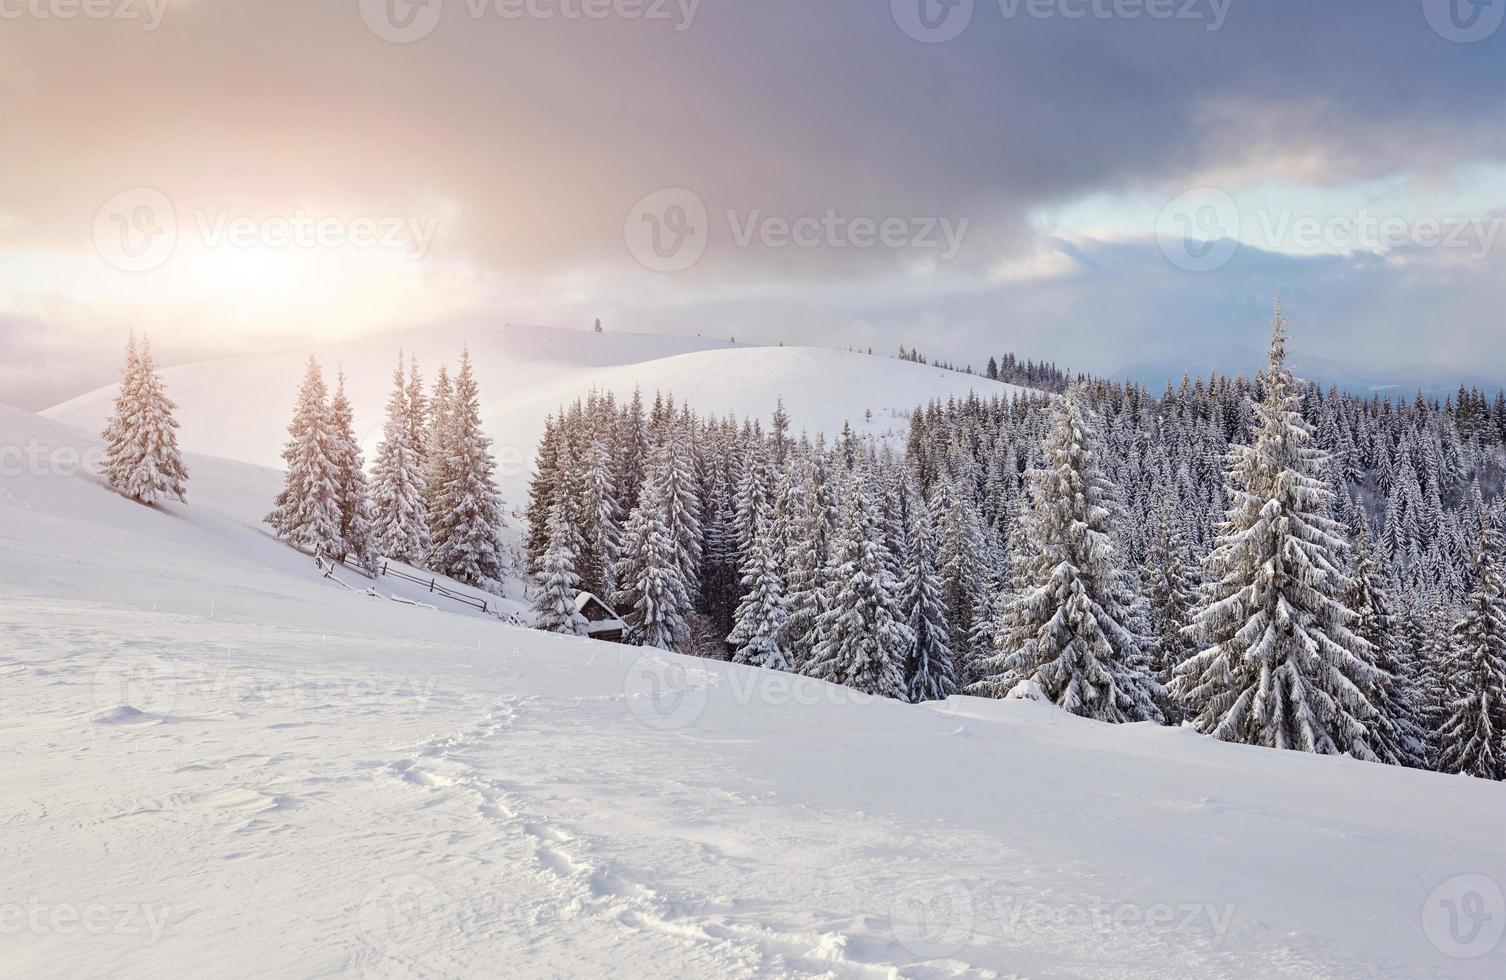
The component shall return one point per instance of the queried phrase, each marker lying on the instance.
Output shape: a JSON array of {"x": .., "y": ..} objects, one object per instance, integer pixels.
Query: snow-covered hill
[
  {"x": 220, "y": 763},
  {"x": 240, "y": 408}
]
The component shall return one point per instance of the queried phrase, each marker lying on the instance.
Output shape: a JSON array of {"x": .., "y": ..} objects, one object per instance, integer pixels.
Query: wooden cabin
[{"x": 602, "y": 621}]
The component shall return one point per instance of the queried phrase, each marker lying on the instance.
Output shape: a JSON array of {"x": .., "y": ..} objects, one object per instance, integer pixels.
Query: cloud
[{"x": 529, "y": 140}]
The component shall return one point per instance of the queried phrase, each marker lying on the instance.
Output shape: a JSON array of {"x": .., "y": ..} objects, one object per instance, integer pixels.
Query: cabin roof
[{"x": 583, "y": 599}]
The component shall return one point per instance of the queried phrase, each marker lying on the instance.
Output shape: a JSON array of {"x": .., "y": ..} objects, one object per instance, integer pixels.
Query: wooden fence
[{"x": 431, "y": 583}]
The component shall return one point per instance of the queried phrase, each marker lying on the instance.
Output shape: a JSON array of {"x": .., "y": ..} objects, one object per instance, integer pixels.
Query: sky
[{"x": 1121, "y": 186}]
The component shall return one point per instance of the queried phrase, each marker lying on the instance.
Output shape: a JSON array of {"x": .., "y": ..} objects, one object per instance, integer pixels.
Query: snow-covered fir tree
[
  {"x": 559, "y": 585},
  {"x": 466, "y": 515},
  {"x": 599, "y": 520},
  {"x": 142, "y": 460},
  {"x": 959, "y": 561},
  {"x": 801, "y": 564},
  {"x": 400, "y": 485},
  {"x": 862, "y": 641},
  {"x": 1473, "y": 737},
  {"x": 1170, "y": 593},
  {"x": 1067, "y": 624},
  {"x": 544, "y": 487},
  {"x": 652, "y": 595},
  {"x": 307, "y": 514},
  {"x": 353, "y": 500},
  {"x": 758, "y": 633},
  {"x": 113, "y": 466},
  {"x": 1280, "y": 666},
  {"x": 930, "y": 674},
  {"x": 1400, "y": 738},
  {"x": 436, "y": 434}
]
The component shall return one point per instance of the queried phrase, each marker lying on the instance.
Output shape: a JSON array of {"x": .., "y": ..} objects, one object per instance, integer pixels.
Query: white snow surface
[
  {"x": 239, "y": 408},
  {"x": 219, "y": 763}
]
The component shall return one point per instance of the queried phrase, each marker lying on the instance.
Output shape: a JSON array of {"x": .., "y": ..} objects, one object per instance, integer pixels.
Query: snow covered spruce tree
[
  {"x": 436, "y": 436},
  {"x": 116, "y": 456},
  {"x": 801, "y": 563},
  {"x": 599, "y": 520},
  {"x": 350, "y": 473},
  {"x": 1472, "y": 740},
  {"x": 543, "y": 488},
  {"x": 1170, "y": 594},
  {"x": 1400, "y": 738},
  {"x": 1066, "y": 626},
  {"x": 467, "y": 513},
  {"x": 861, "y": 640},
  {"x": 400, "y": 494},
  {"x": 1281, "y": 666},
  {"x": 554, "y": 603},
  {"x": 141, "y": 459},
  {"x": 307, "y": 515},
  {"x": 757, "y": 634},
  {"x": 929, "y": 672},
  {"x": 653, "y": 596}
]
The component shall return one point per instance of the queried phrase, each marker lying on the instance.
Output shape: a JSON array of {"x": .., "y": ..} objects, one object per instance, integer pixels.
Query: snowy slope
[
  {"x": 219, "y": 764},
  {"x": 82, "y": 536},
  {"x": 239, "y": 408}
]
